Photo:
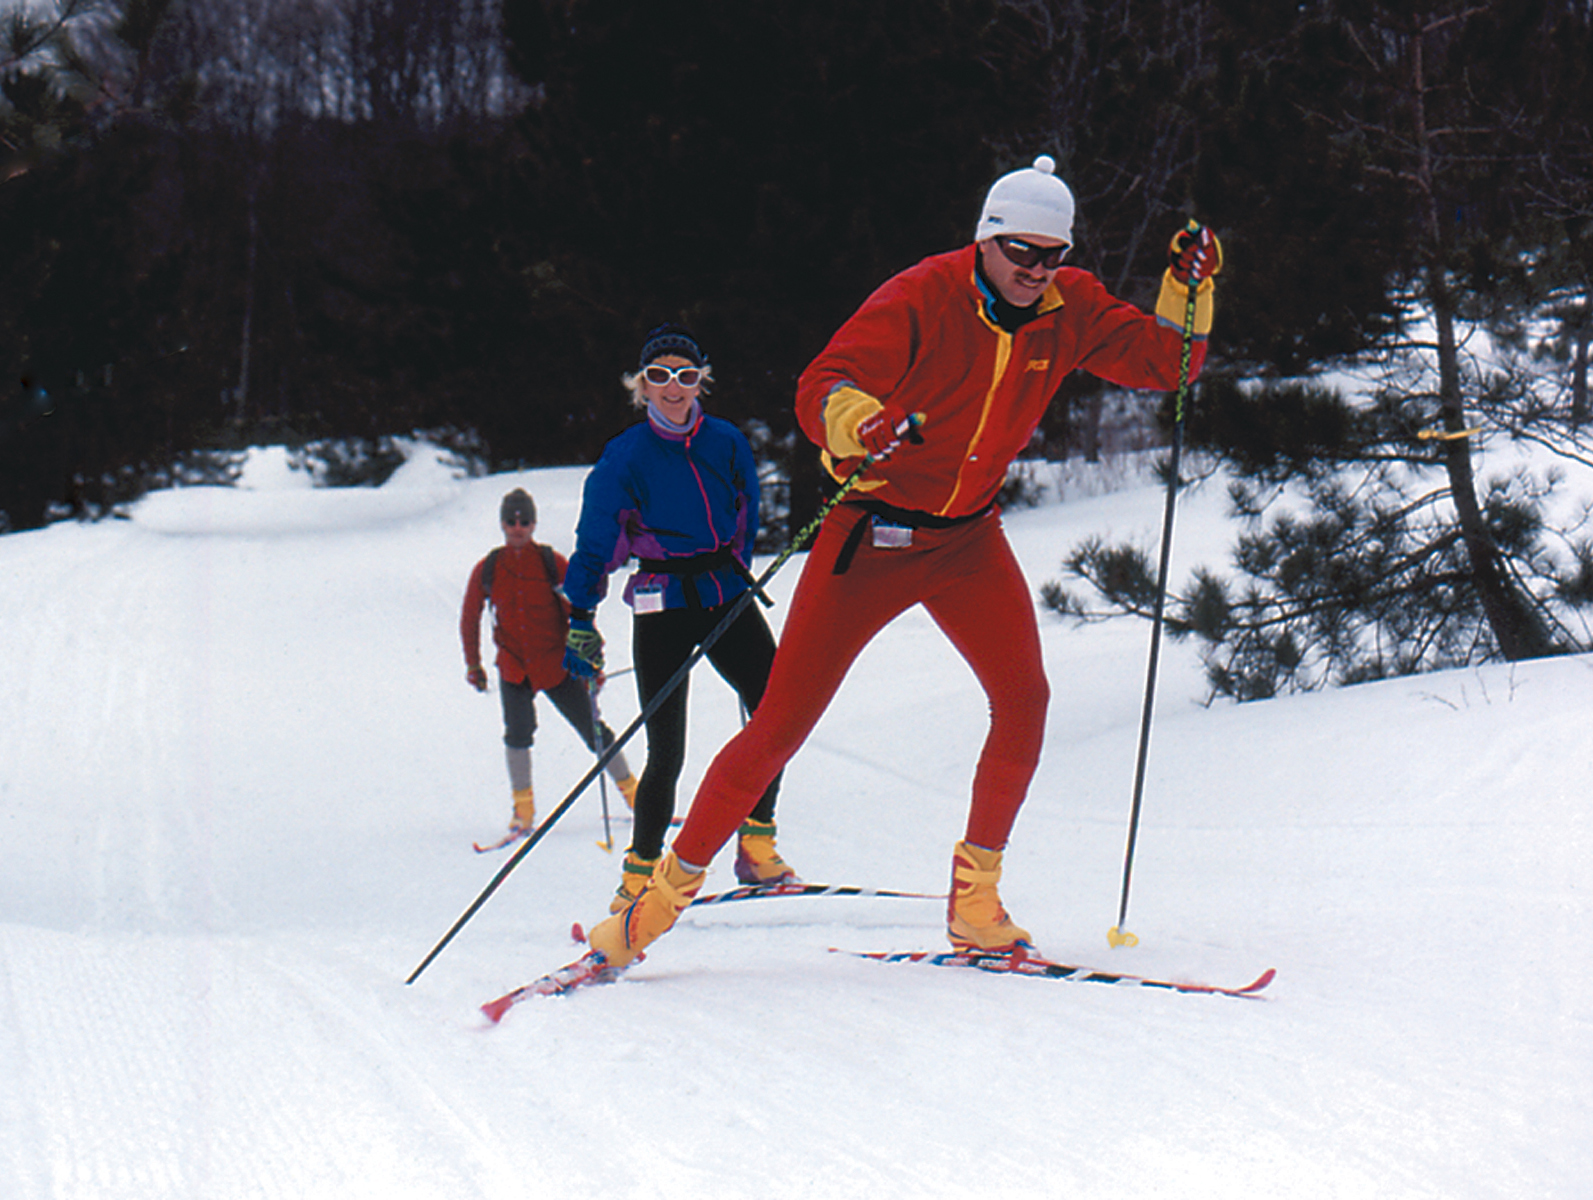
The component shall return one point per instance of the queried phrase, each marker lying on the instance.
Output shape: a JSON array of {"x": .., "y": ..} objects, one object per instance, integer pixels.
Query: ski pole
[
  {"x": 607, "y": 844},
  {"x": 907, "y": 426},
  {"x": 1117, "y": 935}
]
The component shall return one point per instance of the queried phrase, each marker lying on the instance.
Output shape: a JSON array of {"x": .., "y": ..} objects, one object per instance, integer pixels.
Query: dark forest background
[{"x": 228, "y": 222}]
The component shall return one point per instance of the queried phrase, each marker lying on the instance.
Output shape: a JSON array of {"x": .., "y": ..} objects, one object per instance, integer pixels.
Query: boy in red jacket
[
  {"x": 530, "y": 622},
  {"x": 976, "y": 342}
]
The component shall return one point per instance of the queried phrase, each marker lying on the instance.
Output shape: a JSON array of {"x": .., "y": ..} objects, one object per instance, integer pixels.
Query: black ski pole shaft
[
  {"x": 803, "y": 536},
  {"x": 1117, "y": 935},
  {"x": 602, "y": 784}
]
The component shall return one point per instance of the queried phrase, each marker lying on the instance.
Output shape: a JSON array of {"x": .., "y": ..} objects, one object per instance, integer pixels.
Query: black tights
[{"x": 660, "y": 643}]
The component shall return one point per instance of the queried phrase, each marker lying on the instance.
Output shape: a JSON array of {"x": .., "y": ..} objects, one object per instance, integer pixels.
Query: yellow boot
[
  {"x": 757, "y": 861},
  {"x": 634, "y": 875},
  {"x": 623, "y": 936},
  {"x": 627, "y": 787},
  {"x": 525, "y": 811},
  {"x": 975, "y": 919}
]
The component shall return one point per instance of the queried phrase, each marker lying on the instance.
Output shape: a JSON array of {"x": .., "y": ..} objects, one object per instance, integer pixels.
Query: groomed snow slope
[{"x": 240, "y": 772}]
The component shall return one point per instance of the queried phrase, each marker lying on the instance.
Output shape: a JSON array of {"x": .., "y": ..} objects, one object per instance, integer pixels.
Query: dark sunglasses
[
  {"x": 1026, "y": 254},
  {"x": 518, "y": 519},
  {"x": 658, "y": 375}
]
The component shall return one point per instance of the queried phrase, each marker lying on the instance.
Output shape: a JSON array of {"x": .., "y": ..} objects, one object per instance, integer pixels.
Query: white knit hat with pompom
[{"x": 1029, "y": 200}]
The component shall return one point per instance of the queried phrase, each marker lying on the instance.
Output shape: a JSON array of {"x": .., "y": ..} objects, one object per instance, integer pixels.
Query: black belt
[
  {"x": 688, "y": 566},
  {"x": 896, "y": 516},
  {"x": 911, "y": 516}
]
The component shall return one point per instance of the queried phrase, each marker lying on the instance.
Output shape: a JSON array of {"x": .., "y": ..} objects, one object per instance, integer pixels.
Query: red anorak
[
  {"x": 530, "y": 619},
  {"x": 925, "y": 343}
]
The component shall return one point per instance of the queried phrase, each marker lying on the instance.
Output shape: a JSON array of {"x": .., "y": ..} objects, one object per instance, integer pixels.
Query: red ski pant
[{"x": 970, "y": 583}]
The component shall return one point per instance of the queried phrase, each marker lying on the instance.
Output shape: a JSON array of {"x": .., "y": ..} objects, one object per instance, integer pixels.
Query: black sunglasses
[
  {"x": 1027, "y": 254},
  {"x": 518, "y": 519}
]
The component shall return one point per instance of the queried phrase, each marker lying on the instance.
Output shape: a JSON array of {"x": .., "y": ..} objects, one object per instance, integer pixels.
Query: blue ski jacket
[{"x": 660, "y": 496}]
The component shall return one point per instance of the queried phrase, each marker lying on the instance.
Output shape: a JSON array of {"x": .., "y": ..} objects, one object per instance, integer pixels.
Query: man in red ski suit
[{"x": 975, "y": 343}]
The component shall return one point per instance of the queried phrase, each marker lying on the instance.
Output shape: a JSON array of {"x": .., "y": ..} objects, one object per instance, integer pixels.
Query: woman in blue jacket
[{"x": 679, "y": 492}]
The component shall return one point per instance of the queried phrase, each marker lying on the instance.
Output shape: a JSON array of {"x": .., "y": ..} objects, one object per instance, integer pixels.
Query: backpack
[{"x": 490, "y": 568}]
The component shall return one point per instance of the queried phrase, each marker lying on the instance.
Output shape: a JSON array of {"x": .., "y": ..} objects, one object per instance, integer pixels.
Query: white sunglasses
[{"x": 658, "y": 375}]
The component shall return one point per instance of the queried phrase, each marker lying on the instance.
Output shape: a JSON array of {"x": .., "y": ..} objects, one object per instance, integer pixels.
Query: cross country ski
[
  {"x": 787, "y": 888},
  {"x": 515, "y": 835},
  {"x": 1033, "y": 964},
  {"x": 766, "y": 891},
  {"x": 592, "y": 967},
  {"x": 508, "y": 839}
]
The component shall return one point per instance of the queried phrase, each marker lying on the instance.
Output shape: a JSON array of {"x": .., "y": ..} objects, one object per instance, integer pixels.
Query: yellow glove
[
  {"x": 856, "y": 424},
  {"x": 844, "y": 411},
  {"x": 1194, "y": 256}
]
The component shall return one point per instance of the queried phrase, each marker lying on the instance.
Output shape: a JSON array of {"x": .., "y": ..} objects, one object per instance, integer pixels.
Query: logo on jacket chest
[{"x": 1038, "y": 364}]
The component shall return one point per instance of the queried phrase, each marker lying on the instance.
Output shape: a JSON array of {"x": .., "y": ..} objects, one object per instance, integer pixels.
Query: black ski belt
[
  {"x": 689, "y": 566},
  {"x": 896, "y": 516}
]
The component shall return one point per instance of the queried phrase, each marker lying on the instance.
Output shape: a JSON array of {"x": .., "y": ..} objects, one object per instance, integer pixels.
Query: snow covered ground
[{"x": 240, "y": 771}]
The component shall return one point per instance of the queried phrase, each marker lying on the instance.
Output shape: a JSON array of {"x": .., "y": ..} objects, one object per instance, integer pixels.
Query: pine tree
[{"x": 1391, "y": 552}]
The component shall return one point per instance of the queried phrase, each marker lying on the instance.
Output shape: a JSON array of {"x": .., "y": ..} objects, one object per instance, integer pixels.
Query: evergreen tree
[
  {"x": 1397, "y": 556},
  {"x": 83, "y": 291}
]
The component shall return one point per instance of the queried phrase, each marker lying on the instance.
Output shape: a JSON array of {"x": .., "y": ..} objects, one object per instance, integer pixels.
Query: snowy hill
[{"x": 240, "y": 771}]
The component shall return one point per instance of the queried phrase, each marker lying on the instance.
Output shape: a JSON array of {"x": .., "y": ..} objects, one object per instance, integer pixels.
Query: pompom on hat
[
  {"x": 1029, "y": 200},
  {"x": 672, "y": 339}
]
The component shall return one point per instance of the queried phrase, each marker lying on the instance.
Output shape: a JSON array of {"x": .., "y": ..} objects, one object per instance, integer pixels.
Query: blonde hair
[{"x": 632, "y": 382}]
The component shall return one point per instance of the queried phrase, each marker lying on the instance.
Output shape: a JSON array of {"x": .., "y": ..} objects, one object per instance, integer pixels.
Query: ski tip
[
  {"x": 1262, "y": 981},
  {"x": 495, "y": 1009},
  {"x": 508, "y": 839},
  {"x": 578, "y": 933}
]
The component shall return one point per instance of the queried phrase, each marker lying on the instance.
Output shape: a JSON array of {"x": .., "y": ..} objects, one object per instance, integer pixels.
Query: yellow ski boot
[
  {"x": 525, "y": 811},
  {"x": 634, "y": 874},
  {"x": 975, "y": 919},
  {"x": 623, "y": 936},
  {"x": 757, "y": 861},
  {"x": 627, "y": 787}
]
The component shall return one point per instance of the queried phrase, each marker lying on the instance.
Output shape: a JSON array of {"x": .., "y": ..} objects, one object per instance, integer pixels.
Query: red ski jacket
[
  {"x": 925, "y": 342},
  {"x": 529, "y": 619}
]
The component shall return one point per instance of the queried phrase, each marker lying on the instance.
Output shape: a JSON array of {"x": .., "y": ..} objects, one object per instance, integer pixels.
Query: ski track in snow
[
  {"x": 240, "y": 773},
  {"x": 246, "y": 1077}
]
